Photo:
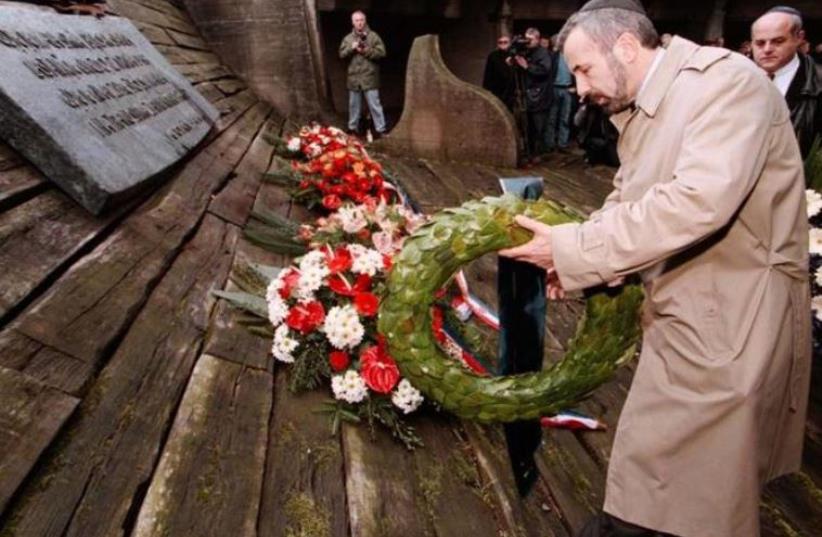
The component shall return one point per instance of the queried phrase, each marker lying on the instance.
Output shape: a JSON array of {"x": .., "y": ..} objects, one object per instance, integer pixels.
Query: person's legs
[
  {"x": 565, "y": 101},
  {"x": 373, "y": 98},
  {"x": 605, "y": 525},
  {"x": 539, "y": 121},
  {"x": 354, "y": 110}
]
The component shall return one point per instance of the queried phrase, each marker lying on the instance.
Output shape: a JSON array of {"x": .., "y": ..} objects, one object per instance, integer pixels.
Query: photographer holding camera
[
  {"x": 535, "y": 73},
  {"x": 364, "y": 47}
]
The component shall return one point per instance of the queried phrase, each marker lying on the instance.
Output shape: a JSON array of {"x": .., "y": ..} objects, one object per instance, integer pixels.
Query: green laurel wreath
[{"x": 606, "y": 337}]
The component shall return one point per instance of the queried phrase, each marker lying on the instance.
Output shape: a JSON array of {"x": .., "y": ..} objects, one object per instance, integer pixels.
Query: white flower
[
  {"x": 284, "y": 346},
  {"x": 342, "y": 327},
  {"x": 277, "y": 310},
  {"x": 366, "y": 261},
  {"x": 814, "y": 202},
  {"x": 349, "y": 387},
  {"x": 816, "y": 306},
  {"x": 294, "y": 144},
  {"x": 406, "y": 397},
  {"x": 311, "y": 279},
  {"x": 815, "y": 245},
  {"x": 352, "y": 218},
  {"x": 334, "y": 131},
  {"x": 314, "y": 150},
  {"x": 818, "y": 276}
]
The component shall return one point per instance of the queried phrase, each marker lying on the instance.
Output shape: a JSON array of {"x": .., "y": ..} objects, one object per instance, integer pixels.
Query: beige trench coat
[{"x": 709, "y": 208}]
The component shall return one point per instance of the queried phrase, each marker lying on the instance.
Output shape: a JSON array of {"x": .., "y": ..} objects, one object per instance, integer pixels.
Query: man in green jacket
[{"x": 364, "y": 47}]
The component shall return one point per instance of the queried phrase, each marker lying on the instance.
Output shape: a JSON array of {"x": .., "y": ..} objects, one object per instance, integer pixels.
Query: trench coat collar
[{"x": 681, "y": 54}]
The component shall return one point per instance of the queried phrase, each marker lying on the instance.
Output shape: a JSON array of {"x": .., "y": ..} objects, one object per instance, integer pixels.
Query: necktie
[{"x": 771, "y": 75}]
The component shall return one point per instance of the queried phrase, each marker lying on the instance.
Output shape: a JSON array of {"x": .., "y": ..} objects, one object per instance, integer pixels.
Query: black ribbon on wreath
[{"x": 522, "y": 310}]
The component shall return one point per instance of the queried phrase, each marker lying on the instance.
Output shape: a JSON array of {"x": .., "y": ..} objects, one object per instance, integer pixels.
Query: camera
[
  {"x": 362, "y": 40},
  {"x": 519, "y": 46}
]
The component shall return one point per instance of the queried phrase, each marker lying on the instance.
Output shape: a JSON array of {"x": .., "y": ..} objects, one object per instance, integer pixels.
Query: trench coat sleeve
[
  {"x": 722, "y": 154},
  {"x": 540, "y": 67},
  {"x": 346, "y": 49},
  {"x": 376, "y": 50}
]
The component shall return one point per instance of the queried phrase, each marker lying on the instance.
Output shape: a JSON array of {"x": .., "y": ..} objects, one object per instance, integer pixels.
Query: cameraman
[
  {"x": 536, "y": 64},
  {"x": 364, "y": 47}
]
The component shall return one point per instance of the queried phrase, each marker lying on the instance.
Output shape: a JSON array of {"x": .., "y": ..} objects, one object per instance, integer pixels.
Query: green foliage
[
  {"x": 310, "y": 368},
  {"x": 381, "y": 410},
  {"x": 606, "y": 337},
  {"x": 245, "y": 301}
]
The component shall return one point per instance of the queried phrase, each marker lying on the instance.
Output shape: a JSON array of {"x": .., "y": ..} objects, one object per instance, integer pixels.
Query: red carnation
[
  {"x": 366, "y": 304},
  {"x": 363, "y": 283},
  {"x": 305, "y": 318},
  {"x": 290, "y": 281},
  {"x": 340, "y": 260},
  {"x": 387, "y": 262},
  {"x": 339, "y": 361},
  {"x": 332, "y": 202},
  {"x": 378, "y": 369}
]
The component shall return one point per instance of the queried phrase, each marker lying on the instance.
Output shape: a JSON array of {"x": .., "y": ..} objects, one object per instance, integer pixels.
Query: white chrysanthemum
[
  {"x": 815, "y": 245},
  {"x": 277, "y": 310},
  {"x": 818, "y": 276},
  {"x": 352, "y": 218},
  {"x": 314, "y": 150},
  {"x": 334, "y": 131},
  {"x": 406, "y": 397},
  {"x": 367, "y": 261},
  {"x": 314, "y": 258},
  {"x": 349, "y": 387},
  {"x": 816, "y": 306},
  {"x": 284, "y": 346},
  {"x": 814, "y": 202},
  {"x": 342, "y": 327},
  {"x": 274, "y": 287},
  {"x": 312, "y": 278},
  {"x": 294, "y": 144}
]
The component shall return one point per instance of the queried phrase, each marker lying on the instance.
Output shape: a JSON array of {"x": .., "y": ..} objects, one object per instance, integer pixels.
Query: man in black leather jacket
[
  {"x": 776, "y": 37},
  {"x": 538, "y": 68}
]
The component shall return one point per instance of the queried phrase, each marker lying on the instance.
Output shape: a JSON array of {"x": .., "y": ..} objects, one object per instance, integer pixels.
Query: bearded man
[{"x": 708, "y": 208}]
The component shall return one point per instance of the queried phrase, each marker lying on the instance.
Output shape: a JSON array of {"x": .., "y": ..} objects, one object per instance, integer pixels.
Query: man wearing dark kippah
[
  {"x": 776, "y": 37},
  {"x": 708, "y": 209}
]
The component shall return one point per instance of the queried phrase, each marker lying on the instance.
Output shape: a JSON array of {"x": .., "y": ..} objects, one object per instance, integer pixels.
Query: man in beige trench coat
[{"x": 708, "y": 208}]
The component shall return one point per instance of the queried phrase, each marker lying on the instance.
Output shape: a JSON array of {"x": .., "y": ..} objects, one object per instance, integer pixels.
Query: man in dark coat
[
  {"x": 539, "y": 90},
  {"x": 365, "y": 48},
  {"x": 499, "y": 76},
  {"x": 776, "y": 37}
]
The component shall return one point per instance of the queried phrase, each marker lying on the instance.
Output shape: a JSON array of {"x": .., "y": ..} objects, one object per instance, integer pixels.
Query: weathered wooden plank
[
  {"x": 573, "y": 478},
  {"x": 177, "y": 55},
  {"x": 96, "y": 478},
  {"x": 189, "y": 41},
  {"x": 209, "y": 479},
  {"x": 302, "y": 490},
  {"x": 230, "y": 86},
  {"x": 235, "y": 201},
  {"x": 84, "y": 311},
  {"x": 155, "y": 34},
  {"x": 19, "y": 184},
  {"x": 31, "y": 415},
  {"x": 421, "y": 184},
  {"x": 197, "y": 73},
  {"x": 9, "y": 158},
  {"x": 798, "y": 497},
  {"x": 141, "y": 13},
  {"x": 536, "y": 515},
  {"x": 382, "y": 487},
  {"x": 210, "y": 91},
  {"x": 451, "y": 490},
  {"x": 38, "y": 237}
]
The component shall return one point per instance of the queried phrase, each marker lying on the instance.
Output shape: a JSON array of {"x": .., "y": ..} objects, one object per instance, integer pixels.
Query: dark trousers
[
  {"x": 537, "y": 132},
  {"x": 605, "y": 525}
]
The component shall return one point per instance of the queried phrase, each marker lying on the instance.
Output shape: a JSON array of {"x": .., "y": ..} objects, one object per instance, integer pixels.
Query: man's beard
[{"x": 620, "y": 101}]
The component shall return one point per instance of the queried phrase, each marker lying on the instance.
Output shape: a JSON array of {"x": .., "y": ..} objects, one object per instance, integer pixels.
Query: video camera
[
  {"x": 362, "y": 40},
  {"x": 519, "y": 46}
]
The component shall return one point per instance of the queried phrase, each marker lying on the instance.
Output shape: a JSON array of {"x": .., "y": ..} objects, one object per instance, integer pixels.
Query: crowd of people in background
[{"x": 531, "y": 78}]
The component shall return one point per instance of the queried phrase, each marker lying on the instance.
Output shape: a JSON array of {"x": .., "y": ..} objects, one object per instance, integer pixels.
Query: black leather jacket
[
  {"x": 804, "y": 99},
  {"x": 539, "y": 80}
]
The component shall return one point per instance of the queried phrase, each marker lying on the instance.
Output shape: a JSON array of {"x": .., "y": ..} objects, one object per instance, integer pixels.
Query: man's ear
[{"x": 626, "y": 48}]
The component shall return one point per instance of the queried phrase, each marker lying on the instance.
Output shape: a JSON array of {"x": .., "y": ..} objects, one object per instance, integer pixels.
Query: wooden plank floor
[{"x": 133, "y": 404}]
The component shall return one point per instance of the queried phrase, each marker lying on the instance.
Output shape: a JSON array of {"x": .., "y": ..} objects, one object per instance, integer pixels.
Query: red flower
[
  {"x": 340, "y": 285},
  {"x": 340, "y": 260},
  {"x": 332, "y": 202},
  {"x": 305, "y": 318},
  {"x": 364, "y": 234},
  {"x": 387, "y": 262},
  {"x": 364, "y": 184},
  {"x": 378, "y": 369},
  {"x": 339, "y": 361},
  {"x": 366, "y": 304},
  {"x": 290, "y": 281}
]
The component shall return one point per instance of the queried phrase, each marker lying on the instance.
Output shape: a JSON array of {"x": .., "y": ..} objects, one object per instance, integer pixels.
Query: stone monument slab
[{"x": 93, "y": 104}]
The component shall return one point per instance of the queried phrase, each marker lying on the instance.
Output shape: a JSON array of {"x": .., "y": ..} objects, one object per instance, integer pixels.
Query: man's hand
[
  {"x": 521, "y": 62},
  {"x": 553, "y": 287},
  {"x": 538, "y": 250}
]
